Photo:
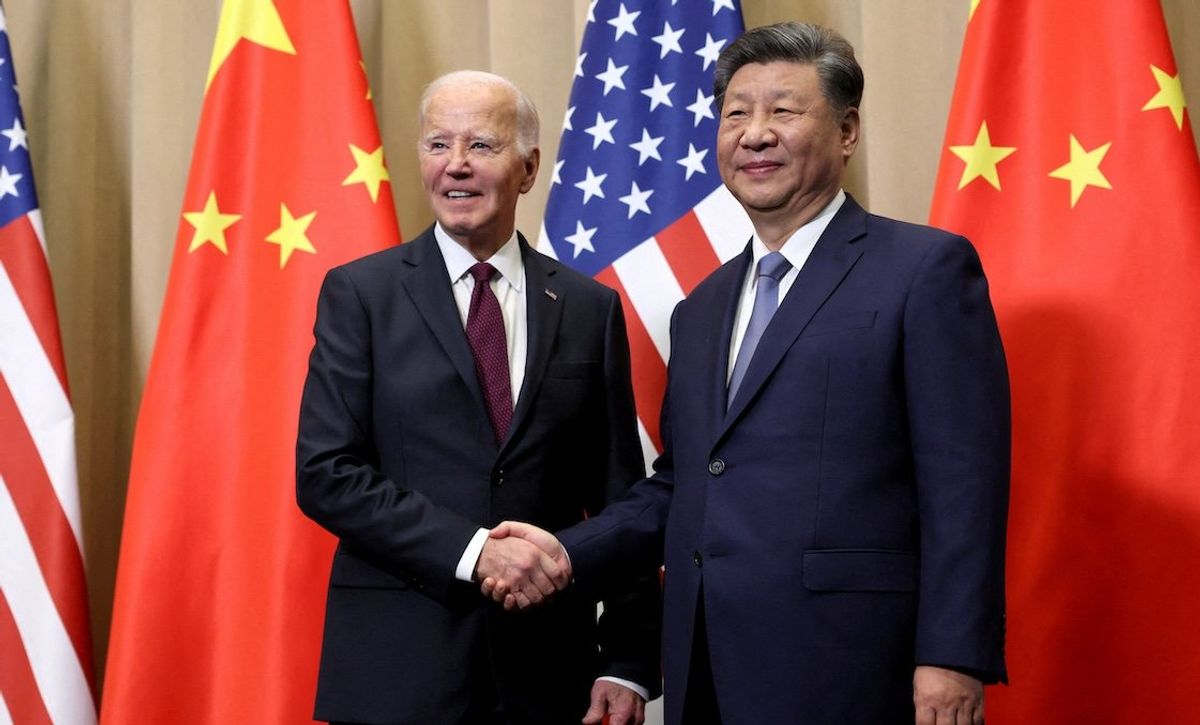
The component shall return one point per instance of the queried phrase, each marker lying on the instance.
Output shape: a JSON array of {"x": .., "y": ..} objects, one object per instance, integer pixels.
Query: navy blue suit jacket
[
  {"x": 397, "y": 457},
  {"x": 846, "y": 515}
]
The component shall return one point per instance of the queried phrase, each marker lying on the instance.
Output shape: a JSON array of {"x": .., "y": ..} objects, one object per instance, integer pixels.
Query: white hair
[{"x": 528, "y": 126}]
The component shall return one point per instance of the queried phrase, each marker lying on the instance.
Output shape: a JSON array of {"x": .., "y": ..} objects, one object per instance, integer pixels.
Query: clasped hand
[{"x": 522, "y": 565}]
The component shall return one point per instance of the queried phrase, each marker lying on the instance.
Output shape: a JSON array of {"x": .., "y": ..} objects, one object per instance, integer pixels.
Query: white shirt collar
[
  {"x": 798, "y": 246},
  {"x": 506, "y": 260}
]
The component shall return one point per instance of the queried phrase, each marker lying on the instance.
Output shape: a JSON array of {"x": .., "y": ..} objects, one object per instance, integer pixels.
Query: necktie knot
[
  {"x": 773, "y": 265},
  {"x": 482, "y": 272}
]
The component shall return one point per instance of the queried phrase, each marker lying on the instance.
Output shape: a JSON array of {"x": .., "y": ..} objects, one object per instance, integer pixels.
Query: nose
[
  {"x": 758, "y": 133},
  {"x": 457, "y": 165}
]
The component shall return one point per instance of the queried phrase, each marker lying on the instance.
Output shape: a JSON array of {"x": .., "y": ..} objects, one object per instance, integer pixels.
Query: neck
[
  {"x": 481, "y": 246},
  {"x": 775, "y": 226}
]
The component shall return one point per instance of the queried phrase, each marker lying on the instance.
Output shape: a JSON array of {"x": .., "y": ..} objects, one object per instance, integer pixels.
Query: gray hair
[
  {"x": 839, "y": 72},
  {"x": 528, "y": 125}
]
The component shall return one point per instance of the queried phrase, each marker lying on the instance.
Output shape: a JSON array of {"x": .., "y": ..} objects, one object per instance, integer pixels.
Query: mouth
[
  {"x": 455, "y": 194},
  {"x": 760, "y": 166}
]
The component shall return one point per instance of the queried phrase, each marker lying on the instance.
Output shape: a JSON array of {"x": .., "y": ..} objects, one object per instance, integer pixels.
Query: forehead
[
  {"x": 470, "y": 107},
  {"x": 774, "y": 79}
]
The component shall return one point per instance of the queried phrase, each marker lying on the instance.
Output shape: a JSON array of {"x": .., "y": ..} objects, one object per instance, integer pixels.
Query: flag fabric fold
[
  {"x": 45, "y": 636},
  {"x": 221, "y": 580},
  {"x": 1070, "y": 163},
  {"x": 635, "y": 199}
]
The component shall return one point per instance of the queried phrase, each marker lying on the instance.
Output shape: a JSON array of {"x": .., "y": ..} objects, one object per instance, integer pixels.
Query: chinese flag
[
  {"x": 1070, "y": 163},
  {"x": 221, "y": 581}
]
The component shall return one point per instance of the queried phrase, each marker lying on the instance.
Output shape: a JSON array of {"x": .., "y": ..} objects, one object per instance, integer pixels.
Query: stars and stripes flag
[
  {"x": 45, "y": 640},
  {"x": 1070, "y": 163},
  {"x": 221, "y": 581},
  {"x": 635, "y": 198}
]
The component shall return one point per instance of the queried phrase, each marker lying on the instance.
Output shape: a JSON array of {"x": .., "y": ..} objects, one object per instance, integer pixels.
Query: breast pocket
[
  {"x": 826, "y": 325},
  {"x": 569, "y": 370}
]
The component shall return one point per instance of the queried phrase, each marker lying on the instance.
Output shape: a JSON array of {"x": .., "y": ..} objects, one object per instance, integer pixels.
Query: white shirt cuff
[
  {"x": 641, "y": 691},
  {"x": 465, "y": 571}
]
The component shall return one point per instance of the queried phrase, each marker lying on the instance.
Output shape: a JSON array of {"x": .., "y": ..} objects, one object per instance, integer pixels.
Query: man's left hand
[
  {"x": 622, "y": 705},
  {"x": 946, "y": 697}
]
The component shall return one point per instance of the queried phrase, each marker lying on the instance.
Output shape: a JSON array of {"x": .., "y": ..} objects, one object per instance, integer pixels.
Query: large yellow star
[
  {"x": 210, "y": 225},
  {"x": 255, "y": 20},
  {"x": 1170, "y": 95},
  {"x": 292, "y": 234},
  {"x": 981, "y": 158},
  {"x": 1083, "y": 170},
  {"x": 368, "y": 170},
  {"x": 974, "y": 6}
]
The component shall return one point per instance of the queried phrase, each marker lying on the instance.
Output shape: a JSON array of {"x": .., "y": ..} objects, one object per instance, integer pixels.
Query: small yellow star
[
  {"x": 1083, "y": 170},
  {"x": 981, "y": 158},
  {"x": 210, "y": 225},
  {"x": 974, "y": 5},
  {"x": 255, "y": 20},
  {"x": 1170, "y": 95},
  {"x": 292, "y": 234},
  {"x": 368, "y": 170}
]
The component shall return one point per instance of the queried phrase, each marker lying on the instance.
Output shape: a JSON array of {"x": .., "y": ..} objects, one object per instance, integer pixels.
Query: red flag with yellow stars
[
  {"x": 221, "y": 580},
  {"x": 1069, "y": 161}
]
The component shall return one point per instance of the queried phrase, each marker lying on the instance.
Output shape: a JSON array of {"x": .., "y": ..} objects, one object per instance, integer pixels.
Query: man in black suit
[
  {"x": 456, "y": 381},
  {"x": 832, "y": 496}
]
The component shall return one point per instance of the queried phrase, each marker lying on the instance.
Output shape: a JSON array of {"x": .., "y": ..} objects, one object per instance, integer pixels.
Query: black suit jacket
[
  {"x": 844, "y": 517},
  {"x": 396, "y": 456}
]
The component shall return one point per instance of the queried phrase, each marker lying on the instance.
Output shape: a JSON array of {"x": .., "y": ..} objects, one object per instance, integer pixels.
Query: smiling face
[
  {"x": 781, "y": 147},
  {"x": 471, "y": 167}
]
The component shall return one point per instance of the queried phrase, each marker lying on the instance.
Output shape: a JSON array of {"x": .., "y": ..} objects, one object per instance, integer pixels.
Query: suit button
[
  {"x": 716, "y": 466},
  {"x": 697, "y": 559}
]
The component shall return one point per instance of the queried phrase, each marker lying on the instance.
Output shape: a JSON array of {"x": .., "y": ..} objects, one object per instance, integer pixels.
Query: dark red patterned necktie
[{"x": 485, "y": 332}]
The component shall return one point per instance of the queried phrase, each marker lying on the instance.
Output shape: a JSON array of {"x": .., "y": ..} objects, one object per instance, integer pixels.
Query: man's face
[
  {"x": 470, "y": 166},
  {"x": 781, "y": 148}
]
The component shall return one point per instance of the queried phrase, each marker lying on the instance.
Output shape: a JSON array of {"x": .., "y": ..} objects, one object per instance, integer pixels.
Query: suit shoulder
[{"x": 917, "y": 237}]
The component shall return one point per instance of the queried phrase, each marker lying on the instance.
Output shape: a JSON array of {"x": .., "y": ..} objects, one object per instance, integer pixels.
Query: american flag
[
  {"x": 45, "y": 643},
  {"x": 635, "y": 198}
]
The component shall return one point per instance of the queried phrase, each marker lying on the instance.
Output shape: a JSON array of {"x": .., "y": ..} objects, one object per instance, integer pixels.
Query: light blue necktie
[{"x": 771, "y": 269}]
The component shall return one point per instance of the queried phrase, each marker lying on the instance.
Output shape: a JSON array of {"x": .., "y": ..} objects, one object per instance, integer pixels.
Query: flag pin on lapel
[{"x": 551, "y": 295}]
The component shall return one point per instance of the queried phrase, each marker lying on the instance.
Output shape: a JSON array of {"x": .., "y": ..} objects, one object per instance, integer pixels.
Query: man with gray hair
[
  {"x": 832, "y": 499},
  {"x": 455, "y": 381}
]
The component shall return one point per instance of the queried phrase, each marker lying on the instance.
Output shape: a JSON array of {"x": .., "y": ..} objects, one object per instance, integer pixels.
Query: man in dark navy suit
[
  {"x": 458, "y": 380},
  {"x": 832, "y": 499}
]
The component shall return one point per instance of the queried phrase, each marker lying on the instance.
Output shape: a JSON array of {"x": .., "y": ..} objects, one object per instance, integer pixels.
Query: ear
[
  {"x": 531, "y": 168},
  {"x": 849, "y": 127}
]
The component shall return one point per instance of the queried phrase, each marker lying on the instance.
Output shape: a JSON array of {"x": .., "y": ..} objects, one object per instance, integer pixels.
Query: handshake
[{"x": 522, "y": 566}]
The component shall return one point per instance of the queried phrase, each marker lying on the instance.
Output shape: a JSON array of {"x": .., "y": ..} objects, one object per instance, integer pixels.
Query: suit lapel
[
  {"x": 543, "y": 308},
  {"x": 729, "y": 290},
  {"x": 429, "y": 287},
  {"x": 831, "y": 258}
]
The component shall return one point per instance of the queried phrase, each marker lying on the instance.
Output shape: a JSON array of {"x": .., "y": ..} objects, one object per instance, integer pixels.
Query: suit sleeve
[
  {"x": 628, "y": 534},
  {"x": 338, "y": 479},
  {"x": 629, "y": 628},
  {"x": 956, "y": 383}
]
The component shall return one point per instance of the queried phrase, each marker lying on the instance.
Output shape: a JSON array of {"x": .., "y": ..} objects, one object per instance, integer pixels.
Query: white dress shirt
[{"x": 796, "y": 250}]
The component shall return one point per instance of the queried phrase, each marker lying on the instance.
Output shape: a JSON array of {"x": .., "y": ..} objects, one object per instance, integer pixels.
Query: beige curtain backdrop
[{"x": 112, "y": 92}]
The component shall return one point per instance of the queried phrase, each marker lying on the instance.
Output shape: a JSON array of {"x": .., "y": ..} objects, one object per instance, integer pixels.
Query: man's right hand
[
  {"x": 518, "y": 571},
  {"x": 522, "y": 592}
]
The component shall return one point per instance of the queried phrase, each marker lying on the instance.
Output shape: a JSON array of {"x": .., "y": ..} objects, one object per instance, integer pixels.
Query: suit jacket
[
  {"x": 397, "y": 457},
  {"x": 846, "y": 515}
]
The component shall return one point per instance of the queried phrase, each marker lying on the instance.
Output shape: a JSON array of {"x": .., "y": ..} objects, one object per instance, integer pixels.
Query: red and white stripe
[
  {"x": 45, "y": 640},
  {"x": 655, "y": 276}
]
